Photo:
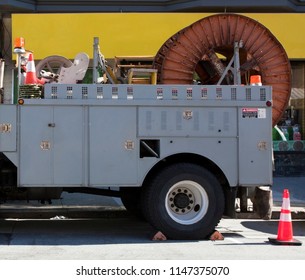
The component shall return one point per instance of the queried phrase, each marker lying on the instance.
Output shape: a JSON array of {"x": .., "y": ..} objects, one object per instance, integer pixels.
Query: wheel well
[
  {"x": 229, "y": 193},
  {"x": 190, "y": 158}
]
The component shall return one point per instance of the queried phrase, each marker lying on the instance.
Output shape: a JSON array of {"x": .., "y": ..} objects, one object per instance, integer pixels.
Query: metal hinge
[{"x": 5, "y": 127}]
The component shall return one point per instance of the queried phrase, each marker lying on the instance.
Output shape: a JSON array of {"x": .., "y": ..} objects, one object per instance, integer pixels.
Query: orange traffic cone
[
  {"x": 30, "y": 78},
  {"x": 285, "y": 232},
  {"x": 255, "y": 80}
]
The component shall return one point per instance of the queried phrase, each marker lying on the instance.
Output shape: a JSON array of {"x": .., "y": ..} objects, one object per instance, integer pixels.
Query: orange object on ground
[
  {"x": 285, "y": 231},
  {"x": 159, "y": 236},
  {"x": 216, "y": 235}
]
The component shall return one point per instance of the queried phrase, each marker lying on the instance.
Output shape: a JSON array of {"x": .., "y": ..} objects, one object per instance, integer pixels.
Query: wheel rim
[
  {"x": 53, "y": 64},
  {"x": 186, "y": 202}
]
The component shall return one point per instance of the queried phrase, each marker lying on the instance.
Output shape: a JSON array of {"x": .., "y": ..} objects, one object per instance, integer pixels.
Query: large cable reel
[{"x": 202, "y": 50}]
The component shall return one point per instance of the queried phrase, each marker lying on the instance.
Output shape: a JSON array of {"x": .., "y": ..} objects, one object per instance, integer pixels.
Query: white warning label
[
  {"x": 261, "y": 113},
  {"x": 257, "y": 113}
]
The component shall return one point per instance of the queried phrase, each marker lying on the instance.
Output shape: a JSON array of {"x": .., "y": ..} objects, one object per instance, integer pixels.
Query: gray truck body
[{"x": 113, "y": 135}]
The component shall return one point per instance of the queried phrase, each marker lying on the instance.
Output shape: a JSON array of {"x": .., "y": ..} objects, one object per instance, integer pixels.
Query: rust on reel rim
[{"x": 202, "y": 50}]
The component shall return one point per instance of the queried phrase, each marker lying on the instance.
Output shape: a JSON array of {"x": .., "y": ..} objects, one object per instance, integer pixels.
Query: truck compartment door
[
  {"x": 113, "y": 152},
  {"x": 36, "y": 145},
  {"x": 255, "y": 146},
  {"x": 69, "y": 145},
  {"x": 51, "y": 146}
]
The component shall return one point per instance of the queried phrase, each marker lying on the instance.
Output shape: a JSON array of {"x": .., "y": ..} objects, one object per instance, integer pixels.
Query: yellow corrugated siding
[{"x": 132, "y": 34}]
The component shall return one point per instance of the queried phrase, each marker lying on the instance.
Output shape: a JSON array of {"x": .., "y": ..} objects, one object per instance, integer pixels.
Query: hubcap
[
  {"x": 186, "y": 202},
  {"x": 181, "y": 200}
]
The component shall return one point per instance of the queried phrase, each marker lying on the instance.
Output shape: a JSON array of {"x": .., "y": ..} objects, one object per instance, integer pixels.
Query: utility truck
[{"x": 175, "y": 153}]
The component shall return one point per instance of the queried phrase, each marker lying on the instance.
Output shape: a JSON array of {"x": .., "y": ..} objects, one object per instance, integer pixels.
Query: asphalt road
[{"x": 126, "y": 238}]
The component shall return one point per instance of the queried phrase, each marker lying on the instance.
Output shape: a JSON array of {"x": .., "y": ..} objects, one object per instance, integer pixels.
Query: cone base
[{"x": 293, "y": 242}]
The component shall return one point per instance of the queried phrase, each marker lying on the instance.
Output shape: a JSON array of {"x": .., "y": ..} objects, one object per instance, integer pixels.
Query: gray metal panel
[
  {"x": 255, "y": 146},
  {"x": 220, "y": 150},
  {"x": 68, "y": 152},
  {"x": 51, "y": 145},
  {"x": 104, "y": 149},
  {"x": 8, "y": 128},
  {"x": 35, "y": 162},
  {"x": 112, "y": 129},
  {"x": 187, "y": 121},
  {"x": 177, "y": 95}
]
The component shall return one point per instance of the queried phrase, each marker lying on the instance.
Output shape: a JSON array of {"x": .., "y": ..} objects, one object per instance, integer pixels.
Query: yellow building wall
[{"x": 131, "y": 34}]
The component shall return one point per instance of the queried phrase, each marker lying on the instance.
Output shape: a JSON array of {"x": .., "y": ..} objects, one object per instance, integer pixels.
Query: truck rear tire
[{"x": 183, "y": 201}]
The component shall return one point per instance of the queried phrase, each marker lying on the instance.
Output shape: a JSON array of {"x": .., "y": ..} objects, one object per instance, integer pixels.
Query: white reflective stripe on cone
[
  {"x": 30, "y": 66},
  {"x": 286, "y": 204},
  {"x": 285, "y": 217}
]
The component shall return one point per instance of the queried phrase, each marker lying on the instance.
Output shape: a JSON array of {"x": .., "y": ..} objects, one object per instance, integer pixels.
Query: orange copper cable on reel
[{"x": 203, "y": 49}]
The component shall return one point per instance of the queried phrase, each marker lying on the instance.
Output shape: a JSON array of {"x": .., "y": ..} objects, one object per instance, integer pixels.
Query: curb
[
  {"x": 67, "y": 212},
  {"x": 86, "y": 212},
  {"x": 297, "y": 213}
]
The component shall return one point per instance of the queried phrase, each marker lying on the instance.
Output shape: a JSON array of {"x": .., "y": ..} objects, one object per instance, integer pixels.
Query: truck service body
[
  {"x": 196, "y": 142},
  {"x": 178, "y": 148}
]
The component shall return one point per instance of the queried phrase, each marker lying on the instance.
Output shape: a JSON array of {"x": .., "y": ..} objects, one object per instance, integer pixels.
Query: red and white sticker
[{"x": 257, "y": 113}]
